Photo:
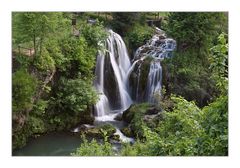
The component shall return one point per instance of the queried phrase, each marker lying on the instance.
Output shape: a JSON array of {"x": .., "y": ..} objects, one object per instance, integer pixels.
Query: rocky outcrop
[
  {"x": 137, "y": 116},
  {"x": 97, "y": 132}
]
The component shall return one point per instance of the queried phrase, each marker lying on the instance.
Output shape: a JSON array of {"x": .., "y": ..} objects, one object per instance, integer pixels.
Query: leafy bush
[
  {"x": 44, "y": 62},
  {"x": 76, "y": 95},
  {"x": 134, "y": 116},
  {"x": 219, "y": 63},
  {"x": 215, "y": 123},
  {"x": 78, "y": 56},
  {"x": 192, "y": 29},
  {"x": 122, "y": 22},
  {"x": 93, "y": 148},
  {"x": 94, "y": 34},
  {"x": 24, "y": 88},
  {"x": 139, "y": 35}
]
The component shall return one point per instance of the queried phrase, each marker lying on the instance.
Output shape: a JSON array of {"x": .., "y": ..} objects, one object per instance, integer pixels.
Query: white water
[
  {"x": 120, "y": 63},
  {"x": 154, "y": 81},
  {"x": 102, "y": 107},
  {"x": 158, "y": 47},
  {"x": 123, "y": 137}
]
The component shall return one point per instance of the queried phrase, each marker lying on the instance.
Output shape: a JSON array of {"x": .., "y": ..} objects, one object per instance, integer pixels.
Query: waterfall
[
  {"x": 114, "y": 69},
  {"x": 154, "y": 81},
  {"x": 120, "y": 64},
  {"x": 102, "y": 107},
  {"x": 157, "y": 48}
]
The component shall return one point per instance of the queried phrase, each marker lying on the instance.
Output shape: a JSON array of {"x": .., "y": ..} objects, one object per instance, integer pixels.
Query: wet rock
[
  {"x": 82, "y": 127},
  {"x": 128, "y": 115},
  {"x": 98, "y": 132},
  {"x": 118, "y": 117},
  {"x": 152, "y": 110},
  {"x": 115, "y": 137},
  {"x": 127, "y": 132}
]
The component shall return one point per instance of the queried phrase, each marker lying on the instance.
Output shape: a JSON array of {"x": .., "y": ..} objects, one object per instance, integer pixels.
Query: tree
[
  {"x": 123, "y": 21},
  {"x": 36, "y": 27},
  {"x": 194, "y": 29},
  {"x": 195, "y": 32}
]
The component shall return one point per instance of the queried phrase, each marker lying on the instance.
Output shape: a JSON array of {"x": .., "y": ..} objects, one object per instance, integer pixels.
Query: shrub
[
  {"x": 23, "y": 89},
  {"x": 76, "y": 95},
  {"x": 139, "y": 35},
  {"x": 93, "y": 148}
]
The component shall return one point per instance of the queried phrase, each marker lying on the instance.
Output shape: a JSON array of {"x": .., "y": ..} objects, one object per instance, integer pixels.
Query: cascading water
[
  {"x": 157, "y": 48},
  {"x": 154, "y": 81},
  {"x": 114, "y": 70},
  {"x": 102, "y": 106},
  {"x": 114, "y": 73},
  {"x": 120, "y": 65}
]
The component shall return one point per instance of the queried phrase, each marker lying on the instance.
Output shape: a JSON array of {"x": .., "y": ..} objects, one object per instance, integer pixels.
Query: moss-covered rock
[
  {"x": 118, "y": 117},
  {"x": 115, "y": 137},
  {"x": 136, "y": 109},
  {"x": 127, "y": 132},
  {"x": 99, "y": 132},
  {"x": 137, "y": 116}
]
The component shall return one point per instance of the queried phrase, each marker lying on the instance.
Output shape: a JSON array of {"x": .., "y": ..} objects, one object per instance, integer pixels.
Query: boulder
[
  {"x": 128, "y": 115},
  {"x": 118, "y": 117},
  {"x": 98, "y": 131},
  {"x": 127, "y": 132},
  {"x": 152, "y": 110}
]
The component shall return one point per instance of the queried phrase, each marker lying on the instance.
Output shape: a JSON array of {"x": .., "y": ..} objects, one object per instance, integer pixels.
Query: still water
[{"x": 53, "y": 144}]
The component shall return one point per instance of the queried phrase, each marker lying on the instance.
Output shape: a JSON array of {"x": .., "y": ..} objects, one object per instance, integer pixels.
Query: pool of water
[
  {"x": 53, "y": 144},
  {"x": 65, "y": 143}
]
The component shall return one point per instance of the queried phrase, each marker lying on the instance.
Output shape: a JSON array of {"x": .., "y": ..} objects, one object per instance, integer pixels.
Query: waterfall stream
[
  {"x": 114, "y": 71},
  {"x": 120, "y": 64}
]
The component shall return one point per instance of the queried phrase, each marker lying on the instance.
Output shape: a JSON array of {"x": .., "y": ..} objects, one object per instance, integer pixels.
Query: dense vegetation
[{"x": 53, "y": 89}]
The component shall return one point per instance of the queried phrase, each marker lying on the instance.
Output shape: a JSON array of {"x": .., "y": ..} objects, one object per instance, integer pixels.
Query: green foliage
[
  {"x": 134, "y": 116},
  {"x": 76, "y": 95},
  {"x": 36, "y": 125},
  {"x": 139, "y": 35},
  {"x": 78, "y": 56},
  {"x": 39, "y": 108},
  {"x": 24, "y": 88},
  {"x": 180, "y": 129},
  {"x": 192, "y": 29},
  {"x": 219, "y": 63},
  {"x": 215, "y": 123},
  {"x": 94, "y": 34},
  {"x": 189, "y": 68},
  {"x": 123, "y": 21},
  {"x": 93, "y": 148},
  {"x": 23, "y": 61},
  {"x": 186, "y": 131},
  {"x": 36, "y": 27},
  {"x": 49, "y": 34},
  {"x": 44, "y": 62}
]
